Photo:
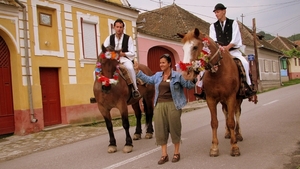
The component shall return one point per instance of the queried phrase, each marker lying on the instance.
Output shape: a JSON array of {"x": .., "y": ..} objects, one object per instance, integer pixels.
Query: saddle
[
  {"x": 245, "y": 90},
  {"x": 124, "y": 74}
]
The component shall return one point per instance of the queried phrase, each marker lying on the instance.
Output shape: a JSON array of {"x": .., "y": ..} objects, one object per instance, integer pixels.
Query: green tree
[
  {"x": 266, "y": 35},
  {"x": 294, "y": 37},
  {"x": 292, "y": 53}
]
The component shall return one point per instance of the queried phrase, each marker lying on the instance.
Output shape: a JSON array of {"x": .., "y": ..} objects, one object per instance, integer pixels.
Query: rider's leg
[
  {"x": 201, "y": 93},
  {"x": 129, "y": 65},
  {"x": 249, "y": 91},
  {"x": 246, "y": 67},
  {"x": 237, "y": 54}
]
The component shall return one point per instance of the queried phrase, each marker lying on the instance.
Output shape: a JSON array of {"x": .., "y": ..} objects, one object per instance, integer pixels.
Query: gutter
[
  {"x": 279, "y": 65},
  {"x": 29, "y": 86}
]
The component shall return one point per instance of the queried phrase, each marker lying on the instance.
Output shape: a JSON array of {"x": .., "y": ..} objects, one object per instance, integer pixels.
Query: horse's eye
[{"x": 195, "y": 47}]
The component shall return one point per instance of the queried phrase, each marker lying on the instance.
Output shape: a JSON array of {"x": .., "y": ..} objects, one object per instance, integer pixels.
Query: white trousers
[
  {"x": 237, "y": 54},
  {"x": 129, "y": 66},
  {"x": 200, "y": 83}
]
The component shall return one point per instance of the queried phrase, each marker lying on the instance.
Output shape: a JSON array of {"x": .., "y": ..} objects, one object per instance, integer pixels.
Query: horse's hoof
[
  {"x": 148, "y": 136},
  {"x": 127, "y": 149},
  {"x": 239, "y": 137},
  {"x": 214, "y": 152},
  {"x": 227, "y": 136},
  {"x": 137, "y": 137},
  {"x": 112, "y": 149},
  {"x": 235, "y": 152}
]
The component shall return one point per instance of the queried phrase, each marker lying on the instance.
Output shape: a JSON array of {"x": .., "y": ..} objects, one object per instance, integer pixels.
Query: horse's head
[
  {"x": 192, "y": 44},
  {"x": 199, "y": 49},
  {"x": 107, "y": 67},
  {"x": 108, "y": 48}
]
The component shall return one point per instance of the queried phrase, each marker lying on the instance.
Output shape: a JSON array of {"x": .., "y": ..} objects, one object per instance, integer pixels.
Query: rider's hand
[
  {"x": 136, "y": 67},
  {"x": 120, "y": 54}
]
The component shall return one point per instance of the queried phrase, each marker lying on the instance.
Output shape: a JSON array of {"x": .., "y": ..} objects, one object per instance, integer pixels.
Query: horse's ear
[
  {"x": 103, "y": 48},
  {"x": 180, "y": 35},
  {"x": 196, "y": 32}
]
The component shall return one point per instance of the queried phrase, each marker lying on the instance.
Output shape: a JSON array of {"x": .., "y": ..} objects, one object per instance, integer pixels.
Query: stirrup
[
  {"x": 250, "y": 90},
  {"x": 136, "y": 94}
]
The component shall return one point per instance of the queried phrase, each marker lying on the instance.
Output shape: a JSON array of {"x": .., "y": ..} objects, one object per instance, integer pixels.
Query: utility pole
[
  {"x": 255, "y": 73},
  {"x": 243, "y": 19},
  {"x": 160, "y": 2}
]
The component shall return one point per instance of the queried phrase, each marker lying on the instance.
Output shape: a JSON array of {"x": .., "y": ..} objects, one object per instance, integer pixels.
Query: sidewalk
[{"x": 16, "y": 146}]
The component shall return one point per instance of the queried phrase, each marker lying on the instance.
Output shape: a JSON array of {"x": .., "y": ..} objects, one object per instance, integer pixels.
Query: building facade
[
  {"x": 157, "y": 32},
  {"x": 48, "y": 55},
  {"x": 290, "y": 65}
]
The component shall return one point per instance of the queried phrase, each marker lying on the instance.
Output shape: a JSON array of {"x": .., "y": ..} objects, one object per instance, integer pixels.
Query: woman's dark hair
[
  {"x": 119, "y": 21},
  {"x": 167, "y": 57}
]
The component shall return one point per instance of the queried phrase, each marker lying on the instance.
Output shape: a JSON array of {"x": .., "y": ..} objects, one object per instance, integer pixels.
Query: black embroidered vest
[
  {"x": 224, "y": 36},
  {"x": 124, "y": 42}
]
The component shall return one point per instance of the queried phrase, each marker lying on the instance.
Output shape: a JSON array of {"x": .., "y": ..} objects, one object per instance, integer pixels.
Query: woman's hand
[
  {"x": 189, "y": 74},
  {"x": 136, "y": 66}
]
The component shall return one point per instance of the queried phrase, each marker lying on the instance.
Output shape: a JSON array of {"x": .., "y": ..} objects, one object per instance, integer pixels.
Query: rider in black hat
[
  {"x": 219, "y": 6},
  {"x": 226, "y": 32}
]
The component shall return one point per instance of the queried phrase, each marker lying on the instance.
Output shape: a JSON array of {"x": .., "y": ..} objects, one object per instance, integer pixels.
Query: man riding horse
[
  {"x": 124, "y": 43},
  {"x": 227, "y": 34}
]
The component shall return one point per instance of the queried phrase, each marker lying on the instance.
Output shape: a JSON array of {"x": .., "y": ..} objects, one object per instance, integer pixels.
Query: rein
[{"x": 214, "y": 67}]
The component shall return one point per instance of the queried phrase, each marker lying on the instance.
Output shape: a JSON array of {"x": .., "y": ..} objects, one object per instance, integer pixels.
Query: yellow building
[{"x": 48, "y": 51}]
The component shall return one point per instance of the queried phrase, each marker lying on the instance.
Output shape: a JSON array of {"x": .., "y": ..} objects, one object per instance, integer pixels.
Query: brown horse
[
  {"x": 112, "y": 91},
  {"x": 221, "y": 83}
]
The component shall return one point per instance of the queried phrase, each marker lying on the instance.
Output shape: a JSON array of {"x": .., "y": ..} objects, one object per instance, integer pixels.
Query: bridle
[{"x": 213, "y": 67}]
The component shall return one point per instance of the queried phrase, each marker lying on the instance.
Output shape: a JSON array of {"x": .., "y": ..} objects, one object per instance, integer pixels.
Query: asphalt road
[{"x": 271, "y": 131}]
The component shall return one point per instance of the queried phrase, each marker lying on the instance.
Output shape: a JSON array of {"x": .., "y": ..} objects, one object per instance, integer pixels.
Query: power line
[
  {"x": 280, "y": 22},
  {"x": 271, "y": 7},
  {"x": 247, "y": 6},
  {"x": 284, "y": 26}
]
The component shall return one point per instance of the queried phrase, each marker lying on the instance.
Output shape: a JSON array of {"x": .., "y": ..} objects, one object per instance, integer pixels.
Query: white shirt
[
  {"x": 118, "y": 46},
  {"x": 236, "y": 34}
]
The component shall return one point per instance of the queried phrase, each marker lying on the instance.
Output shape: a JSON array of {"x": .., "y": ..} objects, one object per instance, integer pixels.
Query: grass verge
[{"x": 291, "y": 82}]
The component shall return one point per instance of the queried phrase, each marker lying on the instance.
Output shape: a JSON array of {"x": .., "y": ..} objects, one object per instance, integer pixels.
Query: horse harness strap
[{"x": 213, "y": 67}]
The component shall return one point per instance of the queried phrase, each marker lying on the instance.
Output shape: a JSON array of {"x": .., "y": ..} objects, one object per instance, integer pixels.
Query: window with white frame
[
  {"x": 266, "y": 65},
  {"x": 89, "y": 39},
  {"x": 112, "y": 30},
  {"x": 274, "y": 66}
]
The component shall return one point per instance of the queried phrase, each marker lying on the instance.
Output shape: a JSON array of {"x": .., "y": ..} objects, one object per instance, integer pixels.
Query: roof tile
[{"x": 166, "y": 22}]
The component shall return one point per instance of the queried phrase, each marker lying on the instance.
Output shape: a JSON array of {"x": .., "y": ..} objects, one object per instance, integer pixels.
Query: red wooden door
[
  {"x": 50, "y": 96},
  {"x": 7, "y": 122},
  {"x": 154, "y": 55}
]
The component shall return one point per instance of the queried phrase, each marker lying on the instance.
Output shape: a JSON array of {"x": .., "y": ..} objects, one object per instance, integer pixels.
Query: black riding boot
[
  {"x": 200, "y": 95},
  {"x": 250, "y": 90}
]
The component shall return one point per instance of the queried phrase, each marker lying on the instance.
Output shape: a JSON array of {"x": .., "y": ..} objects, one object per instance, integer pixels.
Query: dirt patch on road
[{"x": 295, "y": 159}]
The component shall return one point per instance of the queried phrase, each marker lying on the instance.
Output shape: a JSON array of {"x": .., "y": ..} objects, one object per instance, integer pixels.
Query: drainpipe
[
  {"x": 279, "y": 64},
  {"x": 32, "y": 116}
]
